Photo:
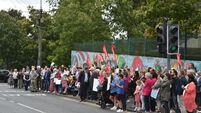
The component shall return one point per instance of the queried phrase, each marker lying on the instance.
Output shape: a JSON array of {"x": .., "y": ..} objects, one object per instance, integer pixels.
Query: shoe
[
  {"x": 135, "y": 109},
  {"x": 119, "y": 110},
  {"x": 48, "y": 91},
  {"x": 113, "y": 108}
]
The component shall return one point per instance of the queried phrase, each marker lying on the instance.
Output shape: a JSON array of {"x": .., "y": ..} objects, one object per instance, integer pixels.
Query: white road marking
[
  {"x": 12, "y": 91},
  {"x": 2, "y": 98},
  {"x": 17, "y": 95},
  {"x": 30, "y": 108},
  {"x": 11, "y": 101},
  {"x": 74, "y": 100}
]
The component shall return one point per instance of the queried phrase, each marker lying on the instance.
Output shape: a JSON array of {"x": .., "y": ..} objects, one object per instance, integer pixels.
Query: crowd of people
[{"x": 174, "y": 90}]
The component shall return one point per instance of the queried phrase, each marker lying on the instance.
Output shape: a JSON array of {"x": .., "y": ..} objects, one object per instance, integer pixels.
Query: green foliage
[
  {"x": 11, "y": 40},
  {"x": 77, "y": 21},
  {"x": 140, "y": 17}
]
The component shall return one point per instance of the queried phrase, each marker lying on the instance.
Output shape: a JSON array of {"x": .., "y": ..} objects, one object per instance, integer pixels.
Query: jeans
[
  {"x": 26, "y": 85},
  {"x": 174, "y": 97},
  {"x": 47, "y": 85},
  {"x": 146, "y": 102},
  {"x": 125, "y": 97},
  {"x": 15, "y": 83},
  {"x": 152, "y": 104}
]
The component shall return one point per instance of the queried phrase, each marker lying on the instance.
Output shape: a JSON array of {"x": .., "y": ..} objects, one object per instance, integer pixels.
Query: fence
[{"x": 144, "y": 47}]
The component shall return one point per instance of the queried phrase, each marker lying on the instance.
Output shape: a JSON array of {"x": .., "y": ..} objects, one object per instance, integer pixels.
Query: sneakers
[
  {"x": 119, "y": 110},
  {"x": 113, "y": 108}
]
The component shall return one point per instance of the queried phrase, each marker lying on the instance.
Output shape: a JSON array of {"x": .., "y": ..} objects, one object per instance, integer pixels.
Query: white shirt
[
  {"x": 86, "y": 77},
  {"x": 15, "y": 75}
]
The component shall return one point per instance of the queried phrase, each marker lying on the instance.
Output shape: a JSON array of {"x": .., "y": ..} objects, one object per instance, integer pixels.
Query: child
[
  {"x": 137, "y": 94},
  {"x": 120, "y": 92}
]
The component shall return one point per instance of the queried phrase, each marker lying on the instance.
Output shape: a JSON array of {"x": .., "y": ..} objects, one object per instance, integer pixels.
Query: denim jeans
[
  {"x": 177, "y": 109},
  {"x": 124, "y": 101},
  {"x": 47, "y": 85},
  {"x": 146, "y": 102}
]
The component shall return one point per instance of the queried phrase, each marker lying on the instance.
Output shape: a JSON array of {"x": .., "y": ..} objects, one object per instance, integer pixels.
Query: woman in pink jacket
[{"x": 190, "y": 94}]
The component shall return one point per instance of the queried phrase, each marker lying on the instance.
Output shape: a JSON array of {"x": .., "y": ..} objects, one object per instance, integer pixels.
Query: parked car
[{"x": 4, "y": 75}]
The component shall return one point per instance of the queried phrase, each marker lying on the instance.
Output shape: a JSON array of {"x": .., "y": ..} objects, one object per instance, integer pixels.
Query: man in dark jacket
[
  {"x": 84, "y": 82},
  {"x": 47, "y": 80},
  {"x": 174, "y": 83}
]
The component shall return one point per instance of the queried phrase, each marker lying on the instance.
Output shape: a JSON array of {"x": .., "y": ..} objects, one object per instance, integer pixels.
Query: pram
[
  {"x": 71, "y": 88},
  {"x": 104, "y": 95}
]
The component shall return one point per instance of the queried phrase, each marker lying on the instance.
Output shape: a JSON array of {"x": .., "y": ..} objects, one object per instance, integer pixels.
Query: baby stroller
[
  {"x": 104, "y": 95},
  {"x": 71, "y": 88}
]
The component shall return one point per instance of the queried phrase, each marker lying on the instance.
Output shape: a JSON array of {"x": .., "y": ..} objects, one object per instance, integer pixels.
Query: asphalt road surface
[{"x": 20, "y": 101}]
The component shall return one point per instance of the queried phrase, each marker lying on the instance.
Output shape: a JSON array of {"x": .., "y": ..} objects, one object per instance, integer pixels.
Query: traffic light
[
  {"x": 161, "y": 39},
  {"x": 173, "y": 38}
]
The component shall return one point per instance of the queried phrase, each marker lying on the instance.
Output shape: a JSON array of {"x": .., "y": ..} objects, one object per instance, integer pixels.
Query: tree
[
  {"x": 77, "y": 21},
  {"x": 11, "y": 41},
  {"x": 140, "y": 17}
]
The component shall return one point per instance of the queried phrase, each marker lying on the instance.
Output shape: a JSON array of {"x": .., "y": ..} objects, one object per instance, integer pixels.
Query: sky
[{"x": 22, "y": 5}]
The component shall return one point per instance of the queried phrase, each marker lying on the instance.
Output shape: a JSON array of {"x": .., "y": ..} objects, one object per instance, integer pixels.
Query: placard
[
  {"x": 95, "y": 85},
  {"x": 154, "y": 93}
]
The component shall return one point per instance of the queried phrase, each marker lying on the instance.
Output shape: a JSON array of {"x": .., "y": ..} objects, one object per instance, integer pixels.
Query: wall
[{"x": 80, "y": 57}]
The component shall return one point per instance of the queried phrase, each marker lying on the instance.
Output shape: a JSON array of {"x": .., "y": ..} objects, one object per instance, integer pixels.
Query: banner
[
  {"x": 106, "y": 54},
  {"x": 114, "y": 57}
]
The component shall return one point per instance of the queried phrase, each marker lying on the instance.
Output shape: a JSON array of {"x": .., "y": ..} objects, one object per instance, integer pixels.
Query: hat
[{"x": 92, "y": 68}]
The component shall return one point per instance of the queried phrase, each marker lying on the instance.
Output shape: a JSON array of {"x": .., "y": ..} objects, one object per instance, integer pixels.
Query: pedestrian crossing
[
  {"x": 26, "y": 95},
  {"x": 13, "y": 93}
]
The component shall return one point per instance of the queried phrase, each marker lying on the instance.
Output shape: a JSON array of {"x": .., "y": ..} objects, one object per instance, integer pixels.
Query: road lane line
[
  {"x": 30, "y": 108},
  {"x": 86, "y": 103}
]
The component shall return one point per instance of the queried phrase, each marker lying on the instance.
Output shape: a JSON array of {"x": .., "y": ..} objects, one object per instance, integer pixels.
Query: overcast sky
[{"x": 22, "y": 5}]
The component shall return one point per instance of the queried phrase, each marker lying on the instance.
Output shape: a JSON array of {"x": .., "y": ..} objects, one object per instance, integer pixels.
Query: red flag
[
  {"x": 88, "y": 61},
  {"x": 96, "y": 59},
  {"x": 137, "y": 61},
  {"x": 178, "y": 58},
  {"x": 101, "y": 58},
  {"x": 105, "y": 51},
  {"x": 114, "y": 57},
  {"x": 107, "y": 68}
]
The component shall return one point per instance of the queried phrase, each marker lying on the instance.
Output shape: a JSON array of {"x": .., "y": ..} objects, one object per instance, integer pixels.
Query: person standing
[
  {"x": 33, "y": 75},
  {"x": 27, "y": 79},
  {"x": 20, "y": 79},
  {"x": 38, "y": 71},
  {"x": 174, "y": 83},
  {"x": 147, "y": 91},
  {"x": 120, "y": 92},
  {"x": 47, "y": 80},
  {"x": 164, "y": 93},
  {"x": 182, "y": 82},
  {"x": 190, "y": 94},
  {"x": 15, "y": 77},
  {"x": 113, "y": 90},
  {"x": 84, "y": 82}
]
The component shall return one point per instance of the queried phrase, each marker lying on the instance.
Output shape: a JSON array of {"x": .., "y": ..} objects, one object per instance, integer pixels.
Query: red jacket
[
  {"x": 189, "y": 97},
  {"x": 147, "y": 87}
]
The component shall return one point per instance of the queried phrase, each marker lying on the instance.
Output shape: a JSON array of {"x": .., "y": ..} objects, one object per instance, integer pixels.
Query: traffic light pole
[{"x": 168, "y": 55}]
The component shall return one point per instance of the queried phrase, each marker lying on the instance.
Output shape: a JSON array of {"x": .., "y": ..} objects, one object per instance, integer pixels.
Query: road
[{"x": 20, "y": 101}]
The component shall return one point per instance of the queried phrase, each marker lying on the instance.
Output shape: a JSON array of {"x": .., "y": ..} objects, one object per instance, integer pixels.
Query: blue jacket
[{"x": 181, "y": 82}]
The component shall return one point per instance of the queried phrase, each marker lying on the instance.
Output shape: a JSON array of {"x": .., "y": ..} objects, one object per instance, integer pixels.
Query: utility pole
[{"x": 39, "y": 62}]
